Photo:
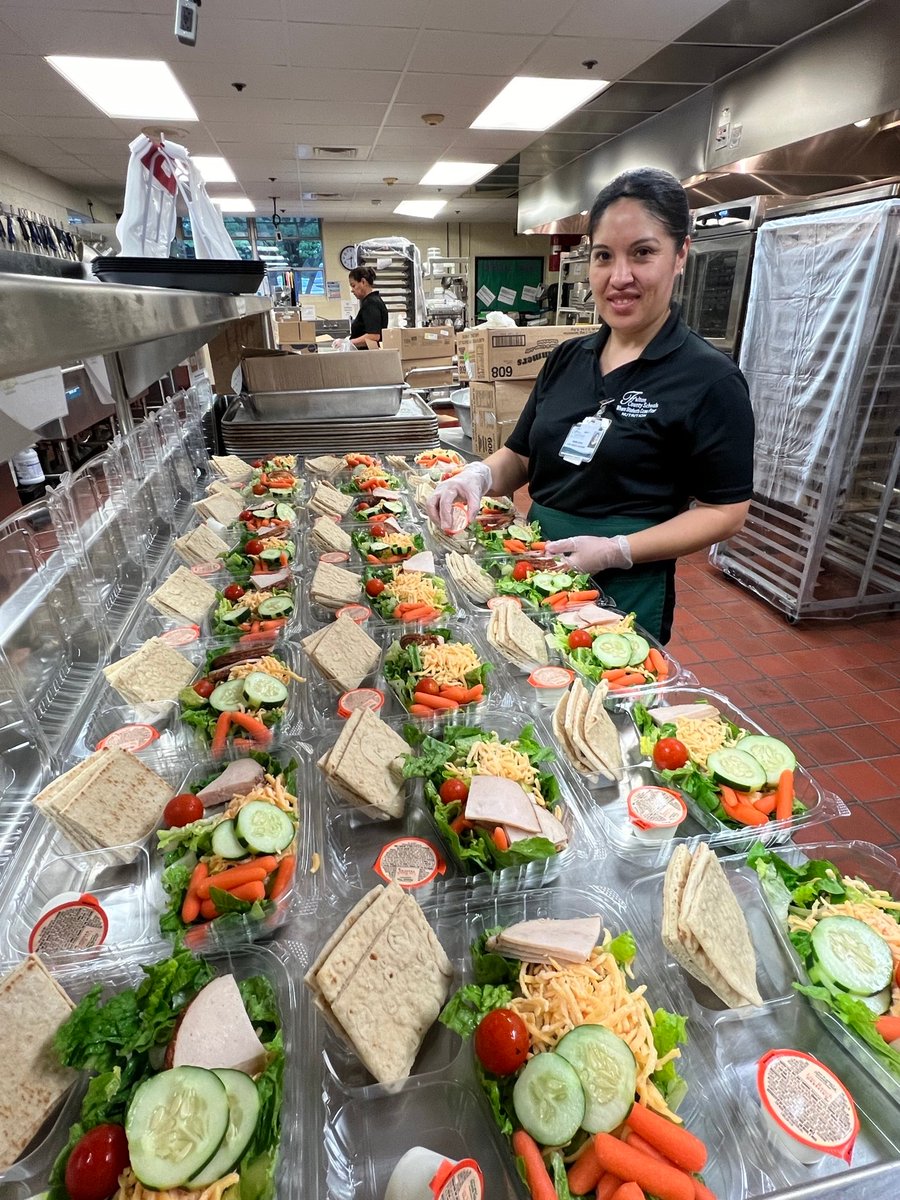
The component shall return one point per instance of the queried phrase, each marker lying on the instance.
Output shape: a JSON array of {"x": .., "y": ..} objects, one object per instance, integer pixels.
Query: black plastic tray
[{"x": 187, "y": 275}]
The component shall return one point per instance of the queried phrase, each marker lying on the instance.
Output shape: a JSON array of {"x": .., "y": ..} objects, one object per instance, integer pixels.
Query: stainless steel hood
[{"x": 784, "y": 125}]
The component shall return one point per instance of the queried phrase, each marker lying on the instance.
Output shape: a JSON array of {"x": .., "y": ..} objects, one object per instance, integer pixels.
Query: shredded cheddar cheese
[
  {"x": 253, "y": 600},
  {"x": 626, "y": 625},
  {"x": 131, "y": 1189},
  {"x": 274, "y": 543},
  {"x": 701, "y": 738},
  {"x": 268, "y": 664},
  {"x": 271, "y": 791},
  {"x": 363, "y": 474},
  {"x": 558, "y": 997},
  {"x": 415, "y": 587},
  {"x": 449, "y": 663},
  {"x": 503, "y": 761},
  {"x": 284, "y": 462}
]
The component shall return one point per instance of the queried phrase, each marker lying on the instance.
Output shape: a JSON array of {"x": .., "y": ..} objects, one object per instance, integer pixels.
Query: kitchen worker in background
[
  {"x": 372, "y": 317},
  {"x": 636, "y": 441}
]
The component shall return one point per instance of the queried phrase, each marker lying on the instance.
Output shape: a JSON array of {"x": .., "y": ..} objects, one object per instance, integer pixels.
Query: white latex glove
[
  {"x": 593, "y": 554},
  {"x": 342, "y": 344},
  {"x": 470, "y": 485}
]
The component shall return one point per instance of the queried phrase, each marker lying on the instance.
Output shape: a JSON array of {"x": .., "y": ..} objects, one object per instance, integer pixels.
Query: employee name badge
[{"x": 583, "y": 439}]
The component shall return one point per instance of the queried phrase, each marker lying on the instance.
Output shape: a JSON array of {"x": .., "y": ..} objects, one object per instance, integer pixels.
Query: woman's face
[
  {"x": 359, "y": 287},
  {"x": 634, "y": 262}
]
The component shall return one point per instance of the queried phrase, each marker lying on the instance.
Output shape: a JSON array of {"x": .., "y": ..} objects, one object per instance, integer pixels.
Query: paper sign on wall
[
  {"x": 507, "y": 295},
  {"x": 307, "y": 312},
  {"x": 530, "y": 293},
  {"x": 485, "y": 295},
  {"x": 348, "y": 309},
  {"x": 332, "y": 289}
]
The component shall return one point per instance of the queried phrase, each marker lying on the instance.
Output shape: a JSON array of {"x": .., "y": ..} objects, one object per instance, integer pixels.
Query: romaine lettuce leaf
[{"x": 465, "y": 1009}]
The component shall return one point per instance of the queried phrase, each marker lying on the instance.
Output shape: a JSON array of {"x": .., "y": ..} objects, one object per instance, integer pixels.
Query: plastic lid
[
  {"x": 496, "y": 601},
  {"x": 129, "y": 737},
  {"x": 334, "y": 556},
  {"x": 356, "y": 612},
  {"x": 181, "y": 636},
  {"x": 653, "y": 807},
  {"x": 410, "y": 862},
  {"x": 206, "y": 568},
  {"x": 72, "y": 924},
  {"x": 551, "y": 677},
  {"x": 458, "y": 1181},
  {"x": 808, "y": 1102},
  {"x": 360, "y": 698}
]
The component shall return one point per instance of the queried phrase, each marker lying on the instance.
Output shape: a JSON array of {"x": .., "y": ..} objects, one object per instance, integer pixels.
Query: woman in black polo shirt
[
  {"x": 372, "y": 317},
  {"x": 625, "y": 428}
]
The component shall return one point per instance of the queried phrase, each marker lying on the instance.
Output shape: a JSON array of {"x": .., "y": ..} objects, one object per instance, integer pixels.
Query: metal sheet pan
[{"x": 327, "y": 403}]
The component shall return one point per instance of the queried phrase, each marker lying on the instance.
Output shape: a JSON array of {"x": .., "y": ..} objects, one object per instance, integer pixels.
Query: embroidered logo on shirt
[{"x": 635, "y": 404}]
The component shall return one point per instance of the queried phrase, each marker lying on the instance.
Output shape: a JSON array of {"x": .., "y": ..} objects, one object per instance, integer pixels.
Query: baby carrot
[
  {"x": 537, "y": 1178},
  {"x": 190, "y": 908},
  {"x": 499, "y": 838},
  {"x": 888, "y": 1028},
  {"x": 253, "y": 726},
  {"x": 636, "y": 1142},
  {"x": 661, "y": 1180},
  {"x": 475, "y": 693},
  {"x": 631, "y": 679},
  {"x": 766, "y": 804},
  {"x": 784, "y": 796},
  {"x": 628, "y": 1191},
  {"x": 680, "y": 1146},
  {"x": 460, "y": 824},
  {"x": 615, "y": 674},
  {"x": 233, "y": 877},
  {"x": 739, "y": 809},
  {"x": 220, "y": 737},
  {"x": 249, "y": 891},
  {"x": 454, "y": 692},
  {"x": 585, "y": 1172},
  {"x": 283, "y": 875},
  {"x": 419, "y": 710},
  {"x": 607, "y": 1187},
  {"x": 208, "y": 910},
  {"x": 514, "y": 545},
  {"x": 659, "y": 664},
  {"x": 539, "y": 546},
  {"x": 701, "y": 1191},
  {"x": 583, "y": 597},
  {"x": 434, "y": 701}
]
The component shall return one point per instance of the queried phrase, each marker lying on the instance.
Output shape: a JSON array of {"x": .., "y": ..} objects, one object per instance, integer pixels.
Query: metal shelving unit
[
  {"x": 575, "y": 304},
  {"x": 398, "y": 276},
  {"x": 446, "y": 284}
]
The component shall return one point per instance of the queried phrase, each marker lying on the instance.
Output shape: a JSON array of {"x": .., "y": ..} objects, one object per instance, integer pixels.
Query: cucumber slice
[
  {"x": 772, "y": 755},
  {"x": 275, "y": 606},
  {"x": 263, "y": 513},
  {"x": 394, "y": 506},
  {"x": 271, "y": 555},
  {"x": 640, "y": 648},
  {"x": 549, "y": 1099},
  {"x": 737, "y": 769},
  {"x": 608, "y": 1074},
  {"x": 852, "y": 955},
  {"x": 612, "y": 650},
  {"x": 225, "y": 842},
  {"x": 284, "y": 512},
  {"x": 236, "y": 615},
  {"x": 243, "y": 1109},
  {"x": 261, "y": 688},
  {"x": 519, "y": 533},
  {"x": 175, "y": 1125},
  {"x": 264, "y": 828},
  {"x": 281, "y": 491},
  {"x": 879, "y": 1003},
  {"x": 227, "y": 696}
]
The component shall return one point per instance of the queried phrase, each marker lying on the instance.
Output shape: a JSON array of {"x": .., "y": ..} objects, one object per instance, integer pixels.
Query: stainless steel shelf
[{"x": 49, "y": 322}]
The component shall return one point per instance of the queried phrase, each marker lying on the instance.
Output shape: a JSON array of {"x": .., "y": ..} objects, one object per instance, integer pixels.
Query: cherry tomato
[
  {"x": 501, "y": 1041},
  {"x": 254, "y": 546},
  {"x": 234, "y": 591},
  {"x": 453, "y": 789},
  {"x": 374, "y": 587},
  {"x": 429, "y": 686},
  {"x": 669, "y": 754},
  {"x": 361, "y": 504},
  {"x": 580, "y": 639},
  {"x": 204, "y": 688},
  {"x": 378, "y": 530},
  {"x": 183, "y": 810},
  {"x": 257, "y": 464},
  {"x": 245, "y": 514},
  {"x": 96, "y": 1162},
  {"x": 521, "y": 571}
]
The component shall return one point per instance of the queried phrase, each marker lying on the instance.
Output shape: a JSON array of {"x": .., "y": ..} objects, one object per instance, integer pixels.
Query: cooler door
[{"x": 715, "y": 289}]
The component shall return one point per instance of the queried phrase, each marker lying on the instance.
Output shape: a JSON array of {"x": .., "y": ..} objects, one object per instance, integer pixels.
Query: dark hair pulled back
[
  {"x": 363, "y": 275},
  {"x": 660, "y": 193}
]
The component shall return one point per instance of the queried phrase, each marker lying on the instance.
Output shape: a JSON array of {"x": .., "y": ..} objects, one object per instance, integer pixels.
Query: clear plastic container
[
  {"x": 152, "y": 732},
  {"x": 315, "y": 614},
  {"x": 117, "y": 971},
  {"x": 311, "y": 552}
]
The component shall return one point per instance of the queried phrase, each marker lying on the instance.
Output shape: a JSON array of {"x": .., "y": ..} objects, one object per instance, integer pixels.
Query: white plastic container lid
[
  {"x": 655, "y": 812},
  {"x": 423, "y": 1175},
  {"x": 807, "y": 1108}
]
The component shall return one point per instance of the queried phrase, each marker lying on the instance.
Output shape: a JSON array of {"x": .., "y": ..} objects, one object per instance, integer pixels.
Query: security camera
[{"x": 187, "y": 16}]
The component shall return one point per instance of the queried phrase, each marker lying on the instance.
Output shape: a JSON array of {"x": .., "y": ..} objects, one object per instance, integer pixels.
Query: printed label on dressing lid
[
  {"x": 183, "y": 635},
  {"x": 650, "y": 805},
  {"x": 807, "y": 1101},
  {"x": 410, "y": 862},
  {"x": 459, "y": 1181}
]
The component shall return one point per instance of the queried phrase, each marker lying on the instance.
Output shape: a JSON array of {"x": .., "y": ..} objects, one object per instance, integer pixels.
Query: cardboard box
[
  {"x": 490, "y": 354},
  {"x": 489, "y": 434},
  {"x": 438, "y": 341},
  {"x": 284, "y": 371},
  {"x": 227, "y": 348},
  {"x": 429, "y": 372},
  {"x": 300, "y": 333},
  {"x": 504, "y": 400}
]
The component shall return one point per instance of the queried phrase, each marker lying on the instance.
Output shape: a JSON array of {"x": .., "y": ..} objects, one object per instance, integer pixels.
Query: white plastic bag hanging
[{"x": 147, "y": 224}]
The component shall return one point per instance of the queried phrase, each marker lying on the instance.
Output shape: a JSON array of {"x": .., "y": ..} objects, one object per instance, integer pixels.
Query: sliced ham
[
  {"x": 385, "y": 494},
  {"x": 215, "y": 1031},
  {"x": 564, "y": 941},
  {"x": 496, "y": 801},
  {"x": 270, "y": 579},
  {"x": 238, "y": 778},
  {"x": 424, "y": 561},
  {"x": 683, "y": 712},
  {"x": 593, "y": 614}
]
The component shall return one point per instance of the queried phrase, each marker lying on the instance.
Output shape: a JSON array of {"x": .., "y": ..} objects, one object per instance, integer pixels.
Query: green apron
[{"x": 647, "y": 589}]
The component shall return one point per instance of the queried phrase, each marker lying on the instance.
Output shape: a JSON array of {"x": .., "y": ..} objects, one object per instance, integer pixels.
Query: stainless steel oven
[{"x": 717, "y": 275}]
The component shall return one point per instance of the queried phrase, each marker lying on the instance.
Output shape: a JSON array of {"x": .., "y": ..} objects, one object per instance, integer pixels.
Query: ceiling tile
[
  {"x": 401, "y": 14},
  {"x": 427, "y": 139},
  {"x": 494, "y": 16},
  {"x": 364, "y": 48},
  {"x": 436, "y": 92},
  {"x": 764, "y": 22},
  {"x": 662, "y": 19},
  {"x": 472, "y": 54},
  {"x": 684, "y": 63},
  {"x": 264, "y": 82},
  {"x": 409, "y": 116},
  {"x": 29, "y": 85},
  {"x": 60, "y": 128},
  {"x": 483, "y": 145},
  {"x": 563, "y": 56}
]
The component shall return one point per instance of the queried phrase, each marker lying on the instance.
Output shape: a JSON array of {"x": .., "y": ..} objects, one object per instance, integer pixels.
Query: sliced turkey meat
[
  {"x": 270, "y": 579},
  {"x": 238, "y": 778},
  {"x": 496, "y": 801},
  {"x": 385, "y": 494},
  {"x": 215, "y": 1031},
  {"x": 564, "y": 941},
  {"x": 683, "y": 712},
  {"x": 424, "y": 561}
]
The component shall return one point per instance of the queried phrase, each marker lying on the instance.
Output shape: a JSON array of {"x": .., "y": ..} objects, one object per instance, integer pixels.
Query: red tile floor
[{"x": 832, "y": 688}]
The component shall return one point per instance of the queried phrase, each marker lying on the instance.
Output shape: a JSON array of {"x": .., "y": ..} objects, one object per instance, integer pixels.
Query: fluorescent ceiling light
[
  {"x": 234, "y": 204},
  {"x": 420, "y": 208},
  {"x": 130, "y": 88},
  {"x": 213, "y": 168},
  {"x": 862, "y": 124},
  {"x": 533, "y": 104},
  {"x": 456, "y": 172}
]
